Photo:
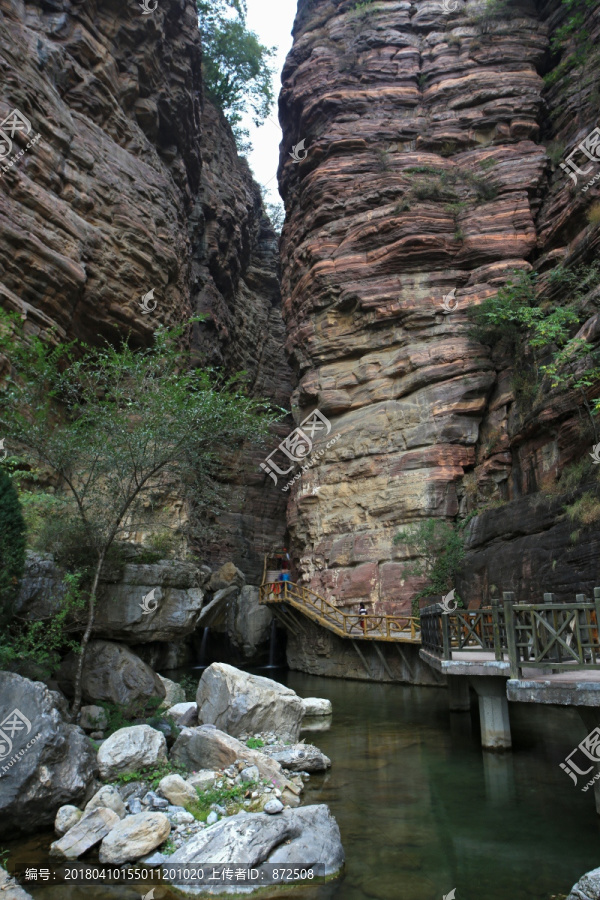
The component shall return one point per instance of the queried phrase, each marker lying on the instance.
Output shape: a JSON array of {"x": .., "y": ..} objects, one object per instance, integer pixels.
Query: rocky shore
[{"x": 205, "y": 782}]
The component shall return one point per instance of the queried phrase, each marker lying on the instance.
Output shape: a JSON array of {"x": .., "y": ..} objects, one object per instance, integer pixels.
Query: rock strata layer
[{"x": 427, "y": 180}]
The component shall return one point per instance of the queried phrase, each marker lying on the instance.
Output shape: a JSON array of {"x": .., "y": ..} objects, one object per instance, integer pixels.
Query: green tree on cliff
[
  {"x": 236, "y": 72},
  {"x": 117, "y": 427}
]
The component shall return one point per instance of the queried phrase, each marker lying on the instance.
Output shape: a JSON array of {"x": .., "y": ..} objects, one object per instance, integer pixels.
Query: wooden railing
[
  {"x": 548, "y": 635},
  {"x": 551, "y": 635},
  {"x": 349, "y": 625},
  {"x": 468, "y": 630}
]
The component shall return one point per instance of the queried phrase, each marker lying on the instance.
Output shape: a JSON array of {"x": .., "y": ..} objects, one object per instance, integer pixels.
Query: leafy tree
[
  {"x": 520, "y": 311},
  {"x": 439, "y": 546},
  {"x": 115, "y": 425},
  {"x": 12, "y": 546},
  {"x": 38, "y": 645},
  {"x": 236, "y": 71}
]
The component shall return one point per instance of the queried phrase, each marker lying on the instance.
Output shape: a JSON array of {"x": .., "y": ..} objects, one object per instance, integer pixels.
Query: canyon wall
[
  {"x": 127, "y": 182},
  {"x": 428, "y": 171}
]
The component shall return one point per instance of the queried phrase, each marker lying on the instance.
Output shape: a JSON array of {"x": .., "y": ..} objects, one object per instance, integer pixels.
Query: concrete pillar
[
  {"x": 493, "y": 711},
  {"x": 459, "y": 698},
  {"x": 590, "y": 716},
  {"x": 499, "y": 778}
]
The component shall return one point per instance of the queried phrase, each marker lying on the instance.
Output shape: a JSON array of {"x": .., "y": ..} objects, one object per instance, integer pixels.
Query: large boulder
[
  {"x": 227, "y": 576},
  {"x": 45, "y": 762},
  {"x": 248, "y": 622},
  {"x": 107, "y": 797},
  {"x": 88, "y": 832},
  {"x": 66, "y": 817},
  {"x": 316, "y": 706},
  {"x": 206, "y": 747},
  {"x": 172, "y": 611},
  {"x": 134, "y": 837},
  {"x": 131, "y": 749},
  {"x": 177, "y": 791},
  {"x": 111, "y": 672},
  {"x": 174, "y": 693},
  {"x": 302, "y": 758},
  {"x": 304, "y": 836},
  {"x": 238, "y": 702},
  {"x": 587, "y": 887}
]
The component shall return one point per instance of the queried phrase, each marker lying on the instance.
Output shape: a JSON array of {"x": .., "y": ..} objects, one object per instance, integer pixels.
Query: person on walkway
[{"x": 362, "y": 611}]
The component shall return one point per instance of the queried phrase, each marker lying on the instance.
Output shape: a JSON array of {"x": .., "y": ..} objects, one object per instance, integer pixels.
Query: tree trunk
[{"x": 86, "y": 636}]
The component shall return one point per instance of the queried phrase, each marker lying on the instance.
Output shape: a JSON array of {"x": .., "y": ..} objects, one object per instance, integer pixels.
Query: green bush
[
  {"x": 439, "y": 546},
  {"x": 12, "y": 546}
]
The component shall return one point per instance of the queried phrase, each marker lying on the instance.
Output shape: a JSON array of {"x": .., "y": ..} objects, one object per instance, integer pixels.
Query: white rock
[
  {"x": 66, "y": 817},
  {"x": 203, "y": 779},
  {"x": 273, "y": 807},
  {"x": 93, "y": 718},
  {"x": 174, "y": 693},
  {"x": 212, "y": 817},
  {"x": 177, "y": 791},
  {"x": 134, "y": 837},
  {"x": 180, "y": 709},
  {"x": 130, "y": 749},
  {"x": 317, "y": 706},
  {"x": 88, "y": 832},
  {"x": 182, "y": 818},
  {"x": 238, "y": 702},
  {"x": 108, "y": 797}
]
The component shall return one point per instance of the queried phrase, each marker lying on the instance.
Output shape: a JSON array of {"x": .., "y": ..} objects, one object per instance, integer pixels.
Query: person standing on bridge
[{"x": 362, "y": 611}]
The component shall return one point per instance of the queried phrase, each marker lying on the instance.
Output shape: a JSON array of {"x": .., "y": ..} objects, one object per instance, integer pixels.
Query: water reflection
[{"x": 423, "y": 810}]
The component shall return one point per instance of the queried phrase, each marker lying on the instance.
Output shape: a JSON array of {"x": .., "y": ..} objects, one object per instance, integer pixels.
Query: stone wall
[
  {"x": 320, "y": 652},
  {"x": 135, "y": 185},
  {"x": 431, "y": 172}
]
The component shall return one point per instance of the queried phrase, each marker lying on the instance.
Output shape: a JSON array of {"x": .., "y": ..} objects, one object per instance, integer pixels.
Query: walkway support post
[
  {"x": 496, "y": 629},
  {"x": 459, "y": 699},
  {"x": 511, "y": 632},
  {"x": 493, "y": 711}
]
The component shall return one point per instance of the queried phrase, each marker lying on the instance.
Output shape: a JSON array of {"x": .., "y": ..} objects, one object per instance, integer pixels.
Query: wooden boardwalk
[{"x": 369, "y": 627}]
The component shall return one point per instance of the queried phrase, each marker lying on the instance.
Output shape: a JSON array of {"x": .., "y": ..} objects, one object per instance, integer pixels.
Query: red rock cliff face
[
  {"x": 133, "y": 185},
  {"x": 427, "y": 177}
]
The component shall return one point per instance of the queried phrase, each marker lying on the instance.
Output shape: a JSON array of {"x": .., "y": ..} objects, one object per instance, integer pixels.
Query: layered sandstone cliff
[
  {"x": 133, "y": 185},
  {"x": 427, "y": 176}
]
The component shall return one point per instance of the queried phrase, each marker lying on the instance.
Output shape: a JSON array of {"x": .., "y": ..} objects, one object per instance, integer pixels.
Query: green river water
[{"x": 422, "y": 810}]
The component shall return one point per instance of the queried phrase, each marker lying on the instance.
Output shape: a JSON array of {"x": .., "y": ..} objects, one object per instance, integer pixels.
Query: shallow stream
[{"x": 422, "y": 810}]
